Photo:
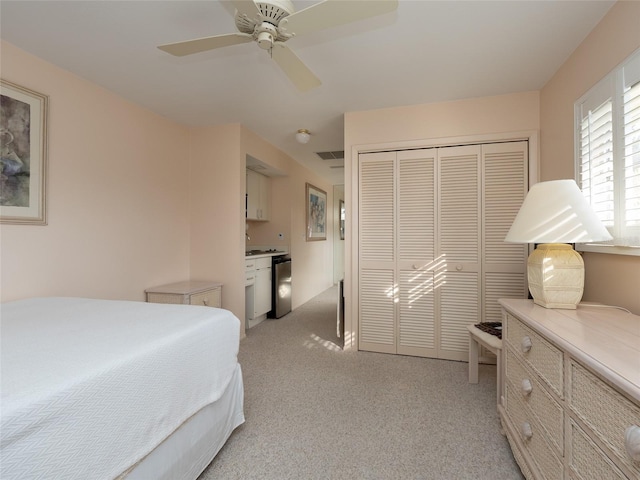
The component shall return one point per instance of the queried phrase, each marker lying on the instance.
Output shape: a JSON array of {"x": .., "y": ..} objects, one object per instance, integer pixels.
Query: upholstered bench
[{"x": 492, "y": 343}]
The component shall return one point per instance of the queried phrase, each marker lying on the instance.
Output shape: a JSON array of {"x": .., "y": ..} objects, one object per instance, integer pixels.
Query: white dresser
[{"x": 571, "y": 391}]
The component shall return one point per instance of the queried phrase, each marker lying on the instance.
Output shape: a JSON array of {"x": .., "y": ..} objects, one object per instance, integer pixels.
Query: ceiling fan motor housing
[{"x": 264, "y": 27}]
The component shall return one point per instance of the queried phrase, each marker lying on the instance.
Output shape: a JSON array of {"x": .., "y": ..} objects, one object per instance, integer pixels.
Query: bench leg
[
  {"x": 473, "y": 359},
  {"x": 499, "y": 375}
]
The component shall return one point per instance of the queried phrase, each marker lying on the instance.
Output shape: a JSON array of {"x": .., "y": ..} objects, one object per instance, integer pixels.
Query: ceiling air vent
[{"x": 337, "y": 155}]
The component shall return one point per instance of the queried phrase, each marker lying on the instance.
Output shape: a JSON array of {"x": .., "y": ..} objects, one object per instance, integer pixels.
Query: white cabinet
[
  {"x": 432, "y": 255},
  {"x": 262, "y": 287},
  {"x": 571, "y": 405},
  {"x": 258, "y": 196}
]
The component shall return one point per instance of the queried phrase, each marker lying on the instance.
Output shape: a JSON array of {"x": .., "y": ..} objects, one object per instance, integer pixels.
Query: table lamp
[{"x": 555, "y": 214}]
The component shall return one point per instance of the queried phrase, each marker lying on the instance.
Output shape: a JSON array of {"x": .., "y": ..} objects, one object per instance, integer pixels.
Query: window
[{"x": 608, "y": 155}]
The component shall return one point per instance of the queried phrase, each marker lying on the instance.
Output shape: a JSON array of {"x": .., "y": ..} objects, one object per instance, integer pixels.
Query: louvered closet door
[
  {"x": 377, "y": 280},
  {"x": 416, "y": 227},
  {"x": 459, "y": 248},
  {"x": 505, "y": 167}
]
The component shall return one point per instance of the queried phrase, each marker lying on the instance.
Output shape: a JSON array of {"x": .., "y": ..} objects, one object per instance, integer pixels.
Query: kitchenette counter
[{"x": 251, "y": 254}]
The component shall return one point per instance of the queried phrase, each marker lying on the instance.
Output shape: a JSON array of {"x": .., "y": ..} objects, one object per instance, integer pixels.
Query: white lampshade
[
  {"x": 554, "y": 214},
  {"x": 303, "y": 136}
]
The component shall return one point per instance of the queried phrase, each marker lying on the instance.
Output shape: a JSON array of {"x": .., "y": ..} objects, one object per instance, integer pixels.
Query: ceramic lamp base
[{"x": 556, "y": 276}]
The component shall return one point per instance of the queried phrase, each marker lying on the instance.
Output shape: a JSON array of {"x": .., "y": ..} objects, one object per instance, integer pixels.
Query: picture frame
[
  {"x": 341, "y": 212},
  {"x": 23, "y": 155},
  {"x": 316, "y": 212}
]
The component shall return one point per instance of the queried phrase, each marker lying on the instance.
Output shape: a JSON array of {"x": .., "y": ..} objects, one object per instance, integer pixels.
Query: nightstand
[{"x": 187, "y": 293}]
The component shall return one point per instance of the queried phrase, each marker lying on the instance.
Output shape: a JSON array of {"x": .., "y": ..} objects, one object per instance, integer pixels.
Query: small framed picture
[
  {"x": 23, "y": 155},
  {"x": 316, "y": 202}
]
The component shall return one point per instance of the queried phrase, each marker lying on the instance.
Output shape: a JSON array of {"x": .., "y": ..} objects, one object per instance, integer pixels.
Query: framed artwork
[
  {"x": 316, "y": 202},
  {"x": 342, "y": 215},
  {"x": 23, "y": 155}
]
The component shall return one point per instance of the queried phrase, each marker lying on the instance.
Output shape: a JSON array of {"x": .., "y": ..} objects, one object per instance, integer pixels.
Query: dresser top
[
  {"x": 184, "y": 288},
  {"x": 606, "y": 339}
]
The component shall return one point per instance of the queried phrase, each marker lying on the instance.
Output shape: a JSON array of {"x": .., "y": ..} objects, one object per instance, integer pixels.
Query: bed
[{"x": 105, "y": 389}]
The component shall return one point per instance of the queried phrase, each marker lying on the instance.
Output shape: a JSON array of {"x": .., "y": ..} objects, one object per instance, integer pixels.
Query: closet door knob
[
  {"x": 459, "y": 268},
  {"x": 526, "y": 344},
  {"x": 632, "y": 442},
  {"x": 526, "y": 431},
  {"x": 526, "y": 387},
  {"x": 415, "y": 267}
]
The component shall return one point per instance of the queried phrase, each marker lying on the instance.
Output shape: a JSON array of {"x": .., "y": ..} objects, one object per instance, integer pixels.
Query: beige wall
[
  {"x": 136, "y": 201},
  {"x": 421, "y": 125},
  {"x": 217, "y": 211},
  {"x": 610, "y": 279},
  {"x": 117, "y": 199}
]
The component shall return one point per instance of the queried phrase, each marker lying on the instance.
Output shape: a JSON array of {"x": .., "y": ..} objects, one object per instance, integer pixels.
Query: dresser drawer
[
  {"x": 538, "y": 401},
  {"x": 607, "y": 413},
  {"x": 586, "y": 460},
  {"x": 210, "y": 298},
  {"x": 537, "y": 353},
  {"x": 532, "y": 436}
]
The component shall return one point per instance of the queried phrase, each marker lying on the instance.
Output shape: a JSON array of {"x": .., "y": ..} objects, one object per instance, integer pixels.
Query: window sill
[{"x": 612, "y": 249}]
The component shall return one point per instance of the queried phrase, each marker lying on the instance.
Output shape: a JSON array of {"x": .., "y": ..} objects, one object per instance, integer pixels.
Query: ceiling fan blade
[
  {"x": 293, "y": 67},
  {"x": 189, "y": 47},
  {"x": 332, "y": 13},
  {"x": 246, "y": 7}
]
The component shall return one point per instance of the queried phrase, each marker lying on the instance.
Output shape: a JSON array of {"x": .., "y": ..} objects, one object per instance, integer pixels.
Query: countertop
[{"x": 265, "y": 254}]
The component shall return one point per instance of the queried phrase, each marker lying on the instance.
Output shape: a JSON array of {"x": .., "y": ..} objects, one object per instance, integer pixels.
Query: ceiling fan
[{"x": 270, "y": 23}]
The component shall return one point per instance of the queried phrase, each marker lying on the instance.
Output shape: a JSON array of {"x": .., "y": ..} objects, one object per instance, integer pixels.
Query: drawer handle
[
  {"x": 526, "y": 431},
  {"x": 632, "y": 442},
  {"x": 206, "y": 302},
  {"x": 526, "y": 344},
  {"x": 526, "y": 387}
]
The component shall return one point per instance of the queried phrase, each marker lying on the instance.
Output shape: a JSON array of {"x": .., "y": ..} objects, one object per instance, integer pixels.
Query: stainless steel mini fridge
[{"x": 281, "y": 284}]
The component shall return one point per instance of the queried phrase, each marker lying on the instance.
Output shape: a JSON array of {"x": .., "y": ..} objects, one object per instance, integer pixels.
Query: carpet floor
[{"x": 314, "y": 411}]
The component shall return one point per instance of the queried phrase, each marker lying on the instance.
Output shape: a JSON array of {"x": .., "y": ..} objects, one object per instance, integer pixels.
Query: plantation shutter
[
  {"x": 608, "y": 119},
  {"x": 596, "y": 158},
  {"x": 631, "y": 163}
]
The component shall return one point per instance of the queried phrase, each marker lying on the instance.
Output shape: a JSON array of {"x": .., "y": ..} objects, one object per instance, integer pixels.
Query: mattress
[{"x": 90, "y": 387}]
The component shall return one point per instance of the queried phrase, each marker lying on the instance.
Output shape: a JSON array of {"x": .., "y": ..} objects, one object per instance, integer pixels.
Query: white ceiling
[{"x": 426, "y": 51}]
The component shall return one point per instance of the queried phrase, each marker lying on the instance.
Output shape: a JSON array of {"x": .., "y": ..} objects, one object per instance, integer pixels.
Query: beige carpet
[{"x": 314, "y": 411}]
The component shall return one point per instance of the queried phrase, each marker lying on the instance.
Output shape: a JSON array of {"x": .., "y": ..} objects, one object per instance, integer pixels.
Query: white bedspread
[{"x": 89, "y": 387}]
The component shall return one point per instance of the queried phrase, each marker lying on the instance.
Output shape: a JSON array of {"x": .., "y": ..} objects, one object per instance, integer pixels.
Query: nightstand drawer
[
  {"x": 537, "y": 353},
  {"x": 536, "y": 399},
  {"x": 603, "y": 410},
  {"x": 208, "y": 299}
]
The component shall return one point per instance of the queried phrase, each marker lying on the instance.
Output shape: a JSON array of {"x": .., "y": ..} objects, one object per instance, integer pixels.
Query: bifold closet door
[
  {"x": 377, "y": 258},
  {"x": 459, "y": 248},
  {"x": 417, "y": 266},
  {"x": 432, "y": 257},
  {"x": 504, "y": 265},
  {"x": 397, "y": 268}
]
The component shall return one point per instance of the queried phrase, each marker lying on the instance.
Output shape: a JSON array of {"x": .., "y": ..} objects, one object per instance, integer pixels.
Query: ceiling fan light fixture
[{"x": 303, "y": 136}]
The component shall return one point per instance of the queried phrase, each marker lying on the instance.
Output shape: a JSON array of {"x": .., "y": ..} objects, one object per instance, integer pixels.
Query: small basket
[{"x": 492, "y": 328}]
